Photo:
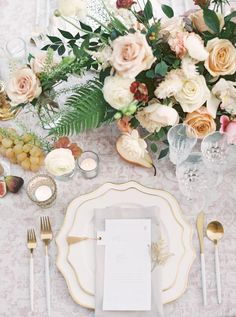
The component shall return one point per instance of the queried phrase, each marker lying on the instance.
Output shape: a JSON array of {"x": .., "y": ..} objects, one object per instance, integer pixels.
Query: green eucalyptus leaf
[
  {"x": 153, "y": 147},
  {"x": 163, "y": 153},
  {"x": 211, "y": 19},
  {"x": 161, "y": 68},
  {"x": 167, "y": 10},
  {"x": 150, "y": 74},
  {"x": 230, "y": 16},
  {"x": 148, "y": 10}
]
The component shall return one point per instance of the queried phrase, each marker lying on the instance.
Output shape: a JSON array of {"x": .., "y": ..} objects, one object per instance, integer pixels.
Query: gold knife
[{"x": 200, "y": 230}]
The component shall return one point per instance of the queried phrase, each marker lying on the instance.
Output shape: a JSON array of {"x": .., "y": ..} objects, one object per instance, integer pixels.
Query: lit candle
[
  {"x": 43, "y": 193},
  {"x": 88, "y": 164}
]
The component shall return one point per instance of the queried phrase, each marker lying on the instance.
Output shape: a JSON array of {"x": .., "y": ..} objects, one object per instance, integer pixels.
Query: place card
[{"x": 127, "y": 269}]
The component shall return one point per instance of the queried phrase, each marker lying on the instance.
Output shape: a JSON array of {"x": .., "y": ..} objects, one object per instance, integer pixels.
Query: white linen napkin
[{"x": 115, "y": 212}]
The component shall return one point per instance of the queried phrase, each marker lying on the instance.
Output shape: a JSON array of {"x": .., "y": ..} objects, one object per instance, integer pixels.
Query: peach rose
[
  {"x": 199, "y": 23},
  {"x": 222, "y": 57},
  {"x": 201, "y": 121},
  {"x": 23, "y": 86},
  {"x": 228, "y": 126},
  {"x": 131, "y": 55}
]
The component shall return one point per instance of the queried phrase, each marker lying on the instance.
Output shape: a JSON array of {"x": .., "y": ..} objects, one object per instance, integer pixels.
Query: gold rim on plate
[{"x": 142, "y": 191}]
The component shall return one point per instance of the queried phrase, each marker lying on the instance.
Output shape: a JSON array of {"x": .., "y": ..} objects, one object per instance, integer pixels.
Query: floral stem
[
  {"x": 100, "y": 23},
  {"x": 76, "y": 26}
]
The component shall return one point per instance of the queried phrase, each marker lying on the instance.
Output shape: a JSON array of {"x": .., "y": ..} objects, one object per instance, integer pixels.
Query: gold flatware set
[
  {"x": 46, "y": 237},
  {"x": 214, "y": 232}
]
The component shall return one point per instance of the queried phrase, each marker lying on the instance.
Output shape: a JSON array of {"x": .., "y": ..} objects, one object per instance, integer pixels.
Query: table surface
[{"x": 17, "y": 214}]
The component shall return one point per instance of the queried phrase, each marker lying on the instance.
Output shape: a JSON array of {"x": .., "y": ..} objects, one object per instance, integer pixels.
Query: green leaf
[
  {"x": 30, "y": 56},
  {"x": 66, "y": 34},
  {"x": 211, "y": 20},
  {"x": 61, "y": 50},
  {"x": 45, "y": 47},
  {"x": 86, "y": 27},
  {"x": 163, "y": 153},
  {"x": 161, "y": 68},
  {"x": 54, "y": 39},
  {"x": 77, "y": 37},
  {"x": 230, "y": 16},
  {"x": 153, "y": 147},
  {"x": 167, "y": 10},
  {"x": 148, "y": 10},
  {"x": 150, "y": 74},
  {"x": 86, "y": 109}
]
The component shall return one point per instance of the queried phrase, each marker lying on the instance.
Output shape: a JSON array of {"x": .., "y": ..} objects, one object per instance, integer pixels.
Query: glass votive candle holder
[
  {"x": 42, "y": 190},
  {"x": 17, "y": 50},
  {"x": 88, "y": 164}
]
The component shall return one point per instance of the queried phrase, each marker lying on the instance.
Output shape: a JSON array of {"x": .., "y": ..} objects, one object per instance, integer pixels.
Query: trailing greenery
[{"x": 86, "y": 109}]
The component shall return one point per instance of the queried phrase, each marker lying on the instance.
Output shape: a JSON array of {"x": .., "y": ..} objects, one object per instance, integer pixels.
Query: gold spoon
[{"x": 215, "y": 232}]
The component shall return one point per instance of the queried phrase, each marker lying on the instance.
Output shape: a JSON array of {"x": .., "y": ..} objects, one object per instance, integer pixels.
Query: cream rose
[
  {"x": 70, "y": 8},
  {"x": 222, "y": 57},
  {"x": 201, "y": 121},
  {"x": 194, "y": 93},
  {"x": 23, "y": 86},
  {"x": 60, "y": 162},
  {"x": 116, "y": 91},
  {"x": 131, "y": 55},
  {"x": 155, "y": 116}
]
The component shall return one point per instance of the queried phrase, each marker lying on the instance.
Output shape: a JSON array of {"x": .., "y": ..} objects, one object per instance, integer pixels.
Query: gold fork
[
  {"x": 46, "y": 237},
  {"x": 31, "y": 244}
]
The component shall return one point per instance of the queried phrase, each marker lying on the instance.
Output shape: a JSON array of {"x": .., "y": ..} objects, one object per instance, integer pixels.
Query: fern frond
[{"x": 85, "y": 109}]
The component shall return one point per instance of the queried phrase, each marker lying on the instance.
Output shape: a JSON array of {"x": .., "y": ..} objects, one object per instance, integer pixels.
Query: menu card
[{"x": 127, "y": 271}]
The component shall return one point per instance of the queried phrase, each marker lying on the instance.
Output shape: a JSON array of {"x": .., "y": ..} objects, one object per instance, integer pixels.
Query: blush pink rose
[
  {"x": 23, "y": 86},
  {"x": 177, "y": 44},
  {"x": 131, "y": 55},
  {"x": 229, "y": 127}
]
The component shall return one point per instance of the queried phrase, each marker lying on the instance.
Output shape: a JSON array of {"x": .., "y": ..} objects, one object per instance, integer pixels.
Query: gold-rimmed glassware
[{"x": 46, "y": 183}]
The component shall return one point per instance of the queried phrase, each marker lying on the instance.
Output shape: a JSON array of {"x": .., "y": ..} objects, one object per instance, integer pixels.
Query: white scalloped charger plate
[{"x": 175, "y": 284}]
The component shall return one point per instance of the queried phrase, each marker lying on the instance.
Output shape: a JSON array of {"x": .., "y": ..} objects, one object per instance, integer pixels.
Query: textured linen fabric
[{"x": 17, "y": 214}]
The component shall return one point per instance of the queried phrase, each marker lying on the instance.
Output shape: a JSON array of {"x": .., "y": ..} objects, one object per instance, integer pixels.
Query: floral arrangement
[{"x": 149, "y": 73}]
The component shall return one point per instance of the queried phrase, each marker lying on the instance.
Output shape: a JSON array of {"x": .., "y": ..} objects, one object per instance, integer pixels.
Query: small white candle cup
[
  {"x": 42, "y": 190},
  {"x": 88, "y": 164}
]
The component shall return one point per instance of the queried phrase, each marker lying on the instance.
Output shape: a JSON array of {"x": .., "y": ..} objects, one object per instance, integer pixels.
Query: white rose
[
  {"x": 70, "y": 8},
  {"x": 222, "y": 57},
  {"x": 171, "y": 27},
  {"x": 155, "y": 116},
  {"x": 195, "y": 47},
  {"x": 23, "y": 86},
  {"x": 60, "y": 162},
  {"x": 225, "y": 92},
  {"x": 131, "y": 55},
  {"x": 194, "y": 93},
  {"x": 116, "y": 91}
]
